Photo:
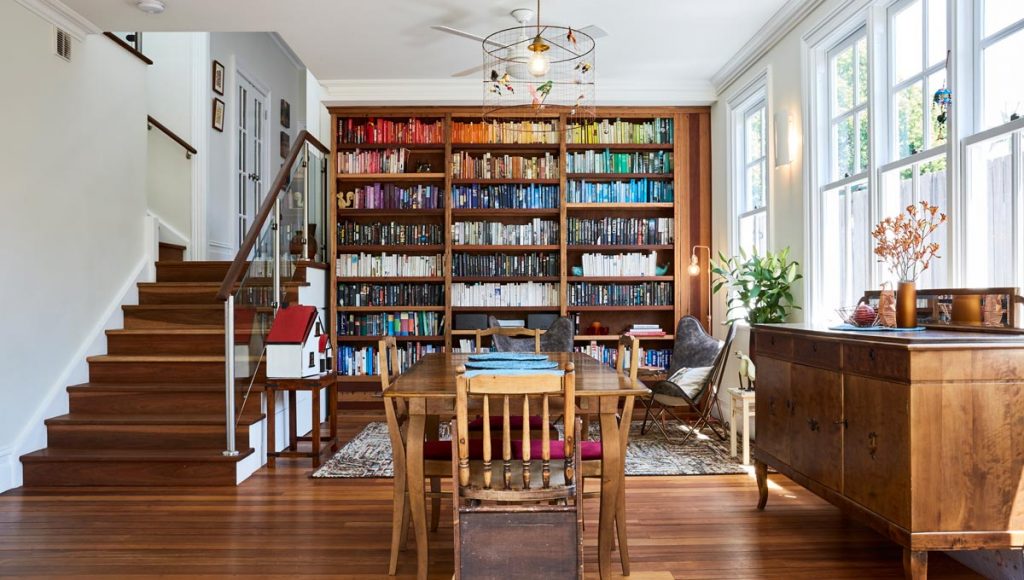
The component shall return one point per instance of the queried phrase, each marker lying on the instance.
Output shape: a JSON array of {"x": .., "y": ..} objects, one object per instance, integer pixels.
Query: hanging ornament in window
[{"x": 941, "y": 101}]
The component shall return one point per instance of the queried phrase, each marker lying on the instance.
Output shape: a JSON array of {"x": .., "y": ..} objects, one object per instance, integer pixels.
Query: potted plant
[{"x": 760, "y": 287}]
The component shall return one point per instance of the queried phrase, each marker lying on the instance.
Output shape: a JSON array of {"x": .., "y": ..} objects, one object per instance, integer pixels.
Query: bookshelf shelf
[
  {"x": 615, "y": 337},
  {"x": 452, "y": 138}
]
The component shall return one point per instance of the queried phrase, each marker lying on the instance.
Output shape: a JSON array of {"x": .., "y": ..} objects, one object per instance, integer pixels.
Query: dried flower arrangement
[{"x": 901, "y": 242}]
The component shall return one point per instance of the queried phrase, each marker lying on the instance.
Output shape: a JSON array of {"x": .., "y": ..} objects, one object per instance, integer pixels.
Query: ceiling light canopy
[{"x": 150, "y": 6}]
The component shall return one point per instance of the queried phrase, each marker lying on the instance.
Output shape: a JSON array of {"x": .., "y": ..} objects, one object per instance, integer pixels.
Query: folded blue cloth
[
  {"x": 514, "y": 372},
  {"x": 508, "y": 356},
  {"x": 875, "y": 328},
  {"x": 512, "y": 364}
]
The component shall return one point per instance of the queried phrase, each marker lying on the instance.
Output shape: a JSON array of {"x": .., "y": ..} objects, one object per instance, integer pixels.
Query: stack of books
[
  {"x": 645, "y": 330},
  {"x": 511, "y": 323}
]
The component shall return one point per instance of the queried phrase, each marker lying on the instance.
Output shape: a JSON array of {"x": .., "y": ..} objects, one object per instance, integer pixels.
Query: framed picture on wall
[
  {"x": 285, "y": 144},
  {"x": 218, "y": 114},
  {"x": 286, "y": 114},
  {"x": 218, "y": 78}
]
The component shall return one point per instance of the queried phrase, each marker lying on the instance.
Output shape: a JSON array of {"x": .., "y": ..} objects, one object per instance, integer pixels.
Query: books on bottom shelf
[
  {"x": 511, "y": 323},
  {"x": 645, "y": 330},
  {"x": 362, "y": 361},
  {"x": 608, "y": 354}
]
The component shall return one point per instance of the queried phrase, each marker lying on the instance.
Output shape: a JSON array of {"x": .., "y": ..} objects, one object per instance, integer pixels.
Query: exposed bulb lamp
[{"x": 538, "y": 64}]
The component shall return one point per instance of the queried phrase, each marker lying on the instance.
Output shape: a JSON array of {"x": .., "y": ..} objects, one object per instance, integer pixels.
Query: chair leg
[
  {"x": 435, "y": 503},
  {"x": 583, "y": 512},
  {"x": 648, "y": 401}
]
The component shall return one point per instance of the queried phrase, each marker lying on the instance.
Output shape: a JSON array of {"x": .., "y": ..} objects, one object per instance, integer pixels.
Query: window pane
[
  {"x": 1003, "y": 88},
  {"x": 862, "y": 70},
  {"x": 843, "y": 146},
  {"x": 1001, "y": 13},
  {"x": 755, "y": 187},
  {"x": 932, "y": 186},
  {"x": 846, "y": 259},
  {"x": 937, "y": 31},
  {"x": 939, "y": 123},
  {"x": 755, "y": 134},
  {"x": 907, "y": 39},
  {"x": 753, "y": 233},
  {"x": 897, "y": 194},
  {"x": 842, "y": 81},
  {"x": 864, "y": 132},
  {"x": 989, "y": 193},
  {"x": 909, "y": 119}
]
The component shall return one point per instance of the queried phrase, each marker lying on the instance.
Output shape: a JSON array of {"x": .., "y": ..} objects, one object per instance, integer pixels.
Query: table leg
[
  {"x": 620, "y": 510},
  {"x": 431, "y": 431},
  {"x": 293, "y": 435},
  {"x": 271, "y": 427},
  {"x": 315, "y": 430},
  {"x": 761, "y": 475},
  {"x": 915, "y": 564},
  {"x": 414, "y": 469},
  {"x": 332, "y": 412},
  {"x": 746, "y": 432},
  {"x": 611, "y": 475},
  {"x": 732, "y": 429}
]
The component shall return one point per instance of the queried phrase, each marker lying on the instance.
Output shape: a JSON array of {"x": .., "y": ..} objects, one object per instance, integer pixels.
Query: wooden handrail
[
  {"x": 239, "y": 264},
  {"x": 120, "y": 42},
  {"x": 189, "y": 150}
]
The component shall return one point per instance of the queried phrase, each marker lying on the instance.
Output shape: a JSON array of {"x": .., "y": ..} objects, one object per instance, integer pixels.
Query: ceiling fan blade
[
  {"x": 594, "y": 32},
  {"x": 463, "y": 34},
  {"x": 468, "y": 71}
]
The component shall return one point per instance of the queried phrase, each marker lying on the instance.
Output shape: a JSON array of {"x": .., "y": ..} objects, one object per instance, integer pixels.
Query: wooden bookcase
[{"x": 690, "y": 210}]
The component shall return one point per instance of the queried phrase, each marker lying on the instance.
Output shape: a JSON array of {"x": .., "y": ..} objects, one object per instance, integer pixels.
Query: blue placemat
[
  {"x": 514, "y": 372},
  {"x": 875, "y": 328},
  {"x": 508, "y": 356},
  {"x": 512, "y": 364}
]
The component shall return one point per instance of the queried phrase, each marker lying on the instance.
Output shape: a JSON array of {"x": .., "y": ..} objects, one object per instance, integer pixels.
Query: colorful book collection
[
  {"x": 391, "y": 196},
  {"x": 390, "y": 294},
  {"x": 506, "y": 132},
  {"x": 504, "y": 264},
  {"x": 391, "y": 324},
  {"x": 377, "y": 130},
  {"x": 536, "y": 232},
  {"x": 645, "y": 330},
  {"x": 490, "y": 166},
  {"x": 516, "y": 294},
  {"x": 368, "y": 265},
  {"x": 376, "y": 234},
  {"x": 632, "y": 191},
  {"x": 609, "y": 132},
  {"x": 499, "y": 196},
  {"x": 373, "y": 161},
  {"x": 639, "y": 294},
  {"x": 632, "y": 264},
  {"x": 608, "y": 354},
  {"x": 362, "y": 361},
  {"x": 620, "y": 231},
  {"x": 608, "y": 162}
]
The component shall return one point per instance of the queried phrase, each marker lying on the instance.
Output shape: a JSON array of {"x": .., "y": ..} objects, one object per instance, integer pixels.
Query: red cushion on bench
[
  {"x": 589, "y": 450},
  {"x": 442, "y": 450},
  {"x": 497, "y": 422}
]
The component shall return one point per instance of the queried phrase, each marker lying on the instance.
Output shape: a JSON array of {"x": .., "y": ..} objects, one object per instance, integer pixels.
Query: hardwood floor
[{"x": 281, "y": 523}]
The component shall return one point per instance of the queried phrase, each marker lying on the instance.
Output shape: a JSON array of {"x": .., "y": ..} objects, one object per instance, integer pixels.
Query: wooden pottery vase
[
  {"x": 906, "y": 305},
  {"x": 311, "y": 246},
  {"x": 295, "y": 244}
]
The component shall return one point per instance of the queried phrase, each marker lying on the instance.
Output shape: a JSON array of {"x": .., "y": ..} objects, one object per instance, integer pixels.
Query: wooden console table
[
  {"x": 313, "y": 385},
  {"x": 919, "y": 434}
]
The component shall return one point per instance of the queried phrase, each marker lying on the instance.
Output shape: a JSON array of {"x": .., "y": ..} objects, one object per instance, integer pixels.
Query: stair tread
[
  {"x": 148, "y": 387},
  {"x": 154, "y": 358},
  {"x": 187, "y": 306},
  {"x": 152, "y": 455},
  {"x": 212, "y": 285},
  {"x": 200, "y": 263},
  {"x": 176, "y": 331},
  {"x": 172, "y": 245},
  {"x": 162, "y": 419}
]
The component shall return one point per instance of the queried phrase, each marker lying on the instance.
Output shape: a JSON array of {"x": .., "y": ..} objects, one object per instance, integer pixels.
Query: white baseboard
[{"x": 33, "y": 437}]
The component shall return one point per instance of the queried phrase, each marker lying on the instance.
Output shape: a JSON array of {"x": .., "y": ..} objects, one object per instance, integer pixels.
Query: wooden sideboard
[{"x": 919, "y": 434}]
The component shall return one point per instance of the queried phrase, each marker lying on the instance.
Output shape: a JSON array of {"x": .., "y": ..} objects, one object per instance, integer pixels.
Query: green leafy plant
[{"x": 760, "y": 287}]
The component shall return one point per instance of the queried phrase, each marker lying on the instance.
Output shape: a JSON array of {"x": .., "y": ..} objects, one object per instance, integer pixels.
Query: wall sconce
[
  {"x": 694, "y": 270},
  {"x": 783, "y": 140}
]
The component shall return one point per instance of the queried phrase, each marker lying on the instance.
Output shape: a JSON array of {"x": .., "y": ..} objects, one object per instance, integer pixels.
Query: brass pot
[{"x": 906, "y": 305}]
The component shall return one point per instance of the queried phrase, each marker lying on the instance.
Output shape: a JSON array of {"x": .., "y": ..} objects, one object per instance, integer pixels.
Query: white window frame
[
  {"x": 981, "y": 43},
  {"x": 756, "y": 92},
  {"x": 835, "y": 118}
]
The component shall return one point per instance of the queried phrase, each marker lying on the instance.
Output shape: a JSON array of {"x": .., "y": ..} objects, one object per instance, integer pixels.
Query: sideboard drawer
[
  {"x": 877, "y": 361},
  {"x": 816, "y": 353},
  {"x": 774, "y": 343}
]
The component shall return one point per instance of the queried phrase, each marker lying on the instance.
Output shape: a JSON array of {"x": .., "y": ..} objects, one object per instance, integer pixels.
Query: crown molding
[
  {"x": 357, "y": 92},
  {"x": 287, "y": 50},
  {"x": 63, "y": 17},
  {"x": 778, "y": 26}
]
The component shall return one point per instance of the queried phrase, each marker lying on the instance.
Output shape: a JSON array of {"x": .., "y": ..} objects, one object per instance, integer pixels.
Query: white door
[{"x": 252, "y": 115}]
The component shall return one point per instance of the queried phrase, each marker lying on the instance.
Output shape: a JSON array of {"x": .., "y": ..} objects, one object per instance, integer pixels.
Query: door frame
[{"x": 232, "y": 126}]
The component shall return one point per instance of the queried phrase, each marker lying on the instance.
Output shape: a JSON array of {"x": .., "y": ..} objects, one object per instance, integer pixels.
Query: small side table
[
  {"x": 742, "y": 410},
  {"x": 314, "y": 385}
]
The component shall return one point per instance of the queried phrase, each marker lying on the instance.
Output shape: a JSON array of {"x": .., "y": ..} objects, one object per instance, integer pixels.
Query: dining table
[{"x": 428, "y": 388}]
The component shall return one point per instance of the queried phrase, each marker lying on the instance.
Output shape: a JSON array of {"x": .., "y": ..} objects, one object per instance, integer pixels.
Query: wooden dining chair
[
  {"x": 436, "y": 455},
  {"x": 517, "y": 517},
  {"x": 510, "y": 332}
]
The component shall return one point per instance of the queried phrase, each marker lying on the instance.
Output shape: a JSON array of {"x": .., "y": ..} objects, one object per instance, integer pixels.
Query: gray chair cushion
[
  {"x": 693, "y": 347},
  {"x": 557, "y": 338}
]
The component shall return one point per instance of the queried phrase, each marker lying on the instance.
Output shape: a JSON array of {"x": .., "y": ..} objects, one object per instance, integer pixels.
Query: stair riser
[
  {"x": 150, "y": 372},
  {"x": 128, "y": 473},
  {"x": 153, "y": 403},
  {"x": 166, "y": 344},
  {"x": 170, "y": 253},
  {"x": 190, "y": 272},
  {"x": 142, "y": 436},
  {"x": 173, "y": 318},
  {"x": 155, "y": 295}
]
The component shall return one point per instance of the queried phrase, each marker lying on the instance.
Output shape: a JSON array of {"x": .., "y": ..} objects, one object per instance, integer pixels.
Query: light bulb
[
  {"x": 538, "y": 64},
  {"x": 694, "y": 268}
]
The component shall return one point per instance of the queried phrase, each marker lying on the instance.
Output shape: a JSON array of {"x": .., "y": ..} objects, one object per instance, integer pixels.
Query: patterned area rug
[{"x": 368, "y": 455}]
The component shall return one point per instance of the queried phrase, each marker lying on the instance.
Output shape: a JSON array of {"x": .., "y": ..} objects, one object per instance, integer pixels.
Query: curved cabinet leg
[
  {"x": 915, "y": 564},
  {"x": 761, "y": 473}
]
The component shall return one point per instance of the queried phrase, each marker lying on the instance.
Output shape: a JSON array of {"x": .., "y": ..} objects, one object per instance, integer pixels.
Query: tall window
[
  {"x": 752, "y": 178},
  {"x": 1000, "y": 46}
]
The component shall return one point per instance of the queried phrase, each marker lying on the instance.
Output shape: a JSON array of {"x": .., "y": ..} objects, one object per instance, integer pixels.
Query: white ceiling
[{"x": 661, "y": 44}]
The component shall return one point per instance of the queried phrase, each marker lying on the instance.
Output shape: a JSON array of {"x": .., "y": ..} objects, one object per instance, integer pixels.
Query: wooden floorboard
[{"x": 281, "y": 523}]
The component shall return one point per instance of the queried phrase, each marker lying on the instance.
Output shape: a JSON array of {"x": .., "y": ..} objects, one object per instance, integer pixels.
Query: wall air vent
[{"x": 63, "y": 44}]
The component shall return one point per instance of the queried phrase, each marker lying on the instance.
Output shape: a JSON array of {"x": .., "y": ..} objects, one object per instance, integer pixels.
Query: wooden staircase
[{"x": 152, "y": 413}]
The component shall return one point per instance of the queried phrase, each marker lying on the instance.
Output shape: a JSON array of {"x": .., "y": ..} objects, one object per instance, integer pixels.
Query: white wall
[
  {"x": 72, "y": 233},
  {"x": 262, "y": 59}
]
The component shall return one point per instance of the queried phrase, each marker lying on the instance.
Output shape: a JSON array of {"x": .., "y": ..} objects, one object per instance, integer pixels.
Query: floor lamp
[{"x": 695, "y": 270}]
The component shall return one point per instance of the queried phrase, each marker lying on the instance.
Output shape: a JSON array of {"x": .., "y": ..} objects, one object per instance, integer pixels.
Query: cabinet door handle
[
  {"x": 872, "y": 444},
  {"x": 842, "y": 422},
  {"x": 813, "y": 424},
  {"x": 814, "y": 347},
  {"x": 772, "y": 340},
  {"x": 871, "y": 353}
]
